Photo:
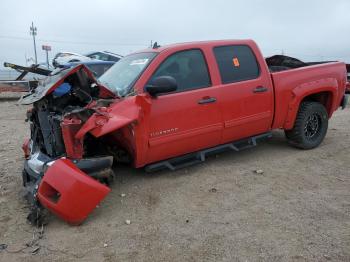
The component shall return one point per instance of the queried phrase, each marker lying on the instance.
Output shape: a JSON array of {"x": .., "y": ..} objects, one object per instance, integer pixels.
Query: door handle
[
  {"x": 260, "y": 89},
  {"x": 207, "y": 100}
]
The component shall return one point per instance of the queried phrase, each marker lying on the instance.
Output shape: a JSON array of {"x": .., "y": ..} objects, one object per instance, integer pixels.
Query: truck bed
[
  {"x": 288, "y": 84},
  {"x": 279, "y": 63}
]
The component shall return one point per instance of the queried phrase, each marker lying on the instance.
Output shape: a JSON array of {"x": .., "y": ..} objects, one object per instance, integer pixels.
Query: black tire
[{"x": 310, "y": 126}]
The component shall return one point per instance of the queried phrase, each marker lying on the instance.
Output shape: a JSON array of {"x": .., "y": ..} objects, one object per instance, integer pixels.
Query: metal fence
[{"x": 8, "y": 74}]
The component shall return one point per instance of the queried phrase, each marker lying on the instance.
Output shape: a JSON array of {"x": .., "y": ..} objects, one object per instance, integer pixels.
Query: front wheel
[{"x": 310, "y": 126}]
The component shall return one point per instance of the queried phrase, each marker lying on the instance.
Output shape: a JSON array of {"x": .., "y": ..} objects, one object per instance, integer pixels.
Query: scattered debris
[
  {"x": 37, "y": 217},
  {"x": 105, "y": 245},
  {"x": 3, "y": 247},
  {"x": 16, "y": 251},
  {"x": 35, "y": 250},
  {"x": 213, "y": 190},
  {"x": 259, "y": 171},
  {"x": 122, "y": 195},
  {"x": 128, "y": 222},
  {"x": 33, "y": 246}
]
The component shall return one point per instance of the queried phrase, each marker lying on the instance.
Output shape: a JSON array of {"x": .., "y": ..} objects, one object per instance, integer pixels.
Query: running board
[{"x": 200, "y": 156}]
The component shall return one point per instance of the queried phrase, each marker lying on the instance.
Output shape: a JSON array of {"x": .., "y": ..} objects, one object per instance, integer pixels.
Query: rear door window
[{"x": 236, "y": 63}]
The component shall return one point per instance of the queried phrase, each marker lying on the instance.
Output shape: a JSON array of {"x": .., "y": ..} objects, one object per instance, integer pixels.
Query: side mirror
[{"x": 161, "y": 84}]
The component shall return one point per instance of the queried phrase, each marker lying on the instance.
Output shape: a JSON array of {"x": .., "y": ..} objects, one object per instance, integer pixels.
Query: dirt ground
[{"x": 297, "y": 210}]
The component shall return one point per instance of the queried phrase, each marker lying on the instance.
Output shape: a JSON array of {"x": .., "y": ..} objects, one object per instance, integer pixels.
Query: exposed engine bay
[
  {"x": 71, "y": 103},
  {"x": 60, "y": 142}
]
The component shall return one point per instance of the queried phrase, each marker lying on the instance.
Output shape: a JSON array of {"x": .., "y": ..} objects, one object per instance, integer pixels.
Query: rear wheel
[{"x": 310, "y": 126}]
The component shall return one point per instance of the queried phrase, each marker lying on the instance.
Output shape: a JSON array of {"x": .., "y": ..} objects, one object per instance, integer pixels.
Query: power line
[
  {"x": 15, "y": 37},
  {"x": 73, "y": 42}
]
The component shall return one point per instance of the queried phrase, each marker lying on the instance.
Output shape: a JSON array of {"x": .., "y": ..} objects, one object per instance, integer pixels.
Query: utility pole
[{"x": 33, "y": 33}]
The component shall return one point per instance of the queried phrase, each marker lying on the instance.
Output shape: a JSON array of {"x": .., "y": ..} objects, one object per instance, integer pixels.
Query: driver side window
[{"x": 188, "y": 68}]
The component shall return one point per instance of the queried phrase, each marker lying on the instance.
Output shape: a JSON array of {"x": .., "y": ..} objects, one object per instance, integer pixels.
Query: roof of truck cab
[{"x": 198, "y": 44}]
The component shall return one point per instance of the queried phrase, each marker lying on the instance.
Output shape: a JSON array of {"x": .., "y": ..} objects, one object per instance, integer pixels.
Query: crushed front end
[{"x": 66, "y": 170}]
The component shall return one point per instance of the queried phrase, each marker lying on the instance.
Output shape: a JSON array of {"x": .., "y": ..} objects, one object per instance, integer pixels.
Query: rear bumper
[
  {"x": 344, "y": 101},
  {"x": 66, "y": 187}
]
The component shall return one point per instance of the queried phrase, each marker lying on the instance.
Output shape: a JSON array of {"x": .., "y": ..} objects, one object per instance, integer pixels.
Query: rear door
[
  {"x": 246, "y": 92},
  {"x": 189, "y": 119}
]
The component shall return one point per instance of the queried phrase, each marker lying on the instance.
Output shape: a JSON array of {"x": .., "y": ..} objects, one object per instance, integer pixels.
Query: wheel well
[{"x": 324, "y": 98}]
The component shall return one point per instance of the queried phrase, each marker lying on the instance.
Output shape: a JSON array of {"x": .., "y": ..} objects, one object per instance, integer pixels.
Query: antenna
[{"x": 155, "y": 45}]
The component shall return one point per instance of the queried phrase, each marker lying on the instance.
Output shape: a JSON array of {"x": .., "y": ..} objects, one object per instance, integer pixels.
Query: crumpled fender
[
  {"x": 110, "y": 119},
  {"x": 69, "y": 193}
]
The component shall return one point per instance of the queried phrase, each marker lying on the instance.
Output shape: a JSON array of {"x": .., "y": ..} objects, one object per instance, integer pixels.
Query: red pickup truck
[{"x": 167, "y": 107}]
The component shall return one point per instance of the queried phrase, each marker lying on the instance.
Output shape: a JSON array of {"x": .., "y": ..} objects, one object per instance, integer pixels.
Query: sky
[{"x": 310, "y": 30}]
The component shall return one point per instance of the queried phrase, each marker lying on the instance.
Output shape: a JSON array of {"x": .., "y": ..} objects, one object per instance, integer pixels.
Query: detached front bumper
[{"x": 64, "y": 187}]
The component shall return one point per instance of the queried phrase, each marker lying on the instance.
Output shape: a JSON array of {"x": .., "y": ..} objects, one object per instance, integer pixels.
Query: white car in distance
[{"x": 63, "y": 58}]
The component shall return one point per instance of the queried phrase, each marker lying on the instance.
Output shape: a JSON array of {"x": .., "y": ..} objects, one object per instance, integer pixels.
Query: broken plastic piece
[
  {"x": 69, "y": 193},
  {"x": 62, "y": 90}
]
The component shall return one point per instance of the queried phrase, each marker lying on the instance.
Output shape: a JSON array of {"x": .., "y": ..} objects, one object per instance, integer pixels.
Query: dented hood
[{"x": 50, "y": 83}]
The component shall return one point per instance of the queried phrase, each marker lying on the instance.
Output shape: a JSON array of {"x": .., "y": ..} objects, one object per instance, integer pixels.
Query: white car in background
[{"x": 63, "y": 58}]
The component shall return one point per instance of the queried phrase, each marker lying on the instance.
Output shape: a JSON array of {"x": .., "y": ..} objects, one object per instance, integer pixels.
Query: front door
[{"x": 188, "y": 119}]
